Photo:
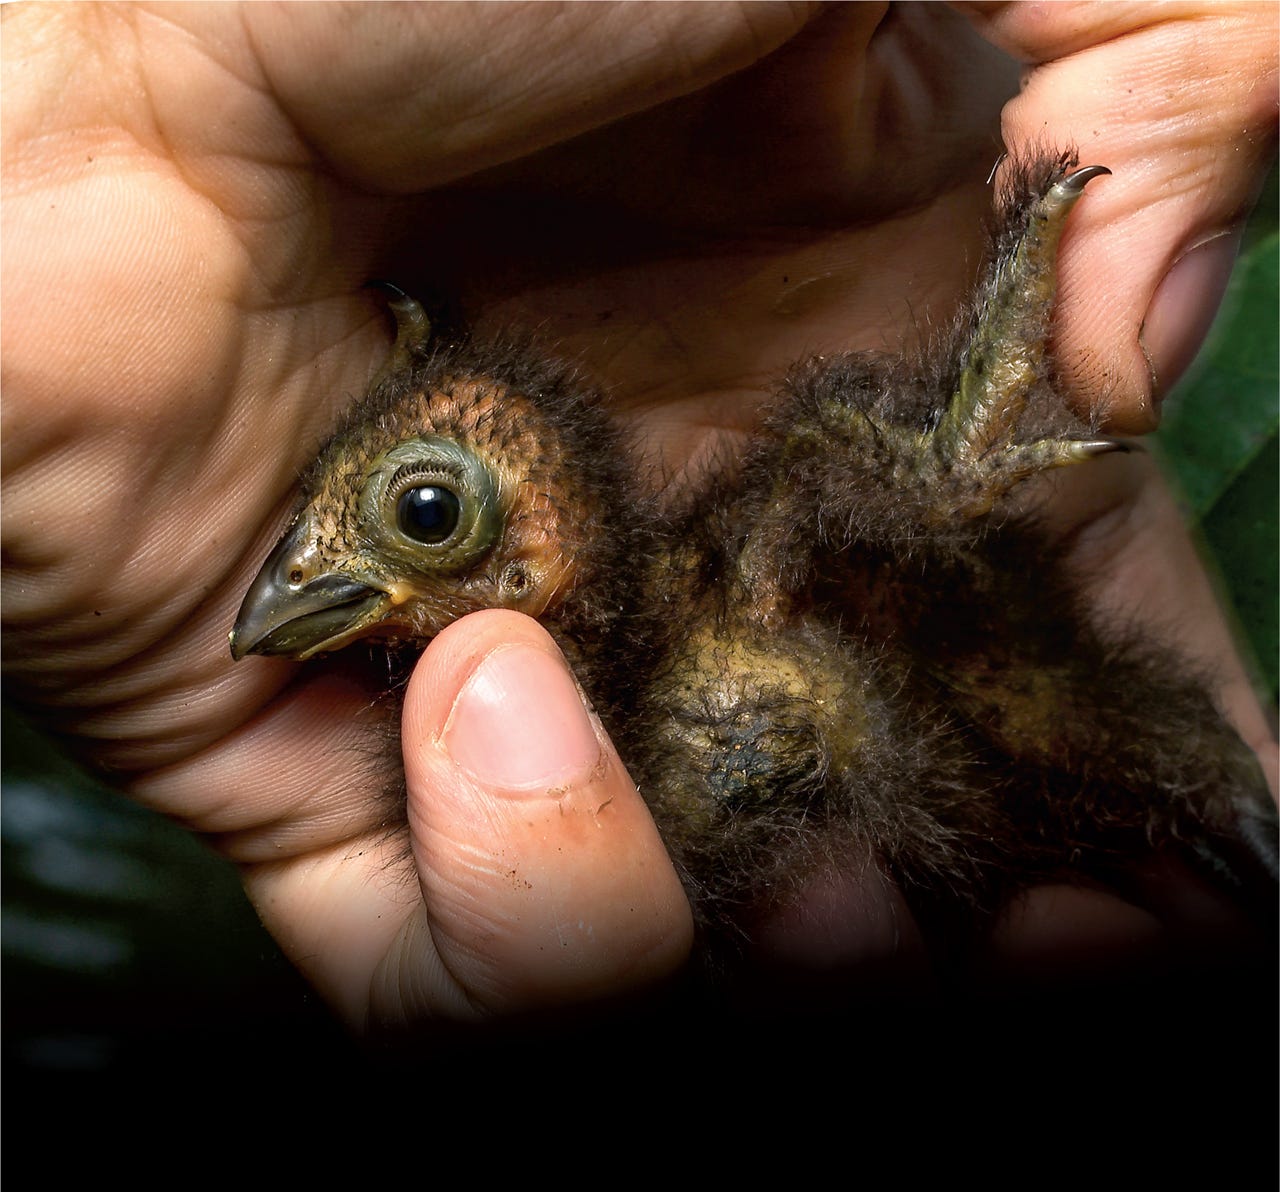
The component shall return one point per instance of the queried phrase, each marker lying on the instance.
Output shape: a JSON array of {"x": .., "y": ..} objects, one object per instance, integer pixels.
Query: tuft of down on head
[{"x": 473, "y": 477}]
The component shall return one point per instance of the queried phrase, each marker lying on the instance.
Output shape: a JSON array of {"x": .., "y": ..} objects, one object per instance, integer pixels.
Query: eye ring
[{"x": 433, "y": 504}]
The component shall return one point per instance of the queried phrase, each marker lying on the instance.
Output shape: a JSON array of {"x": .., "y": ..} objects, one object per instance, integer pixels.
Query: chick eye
[
  {"x": 428, "y": 514},
  {"x": 432, "y": 506}
]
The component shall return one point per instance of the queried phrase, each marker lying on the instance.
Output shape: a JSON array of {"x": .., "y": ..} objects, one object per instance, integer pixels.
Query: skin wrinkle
[
  {"x": 140, "y": 379},
  {"x": 493, "y": 832},
  {"x": 202, "y": 56},
  {"x": 466, "y": 134},
  {"x": 328, "y": 720},
  {"x": 362, "y": 910},
  {"x": 466, "y": 950},
  {"x": 419, "y": 979},
  {"x": 298, "y": 827},
  {"x": 294, "y": 835},
  {"x": 162, "y": 627},
  {"x": 295, "y": 423},
  {"x": 1059, "y": 38},
  {"x": 141, "y": 119},
  {"x": 167, "y": 610},
  {"x": 208, "y": 172}
]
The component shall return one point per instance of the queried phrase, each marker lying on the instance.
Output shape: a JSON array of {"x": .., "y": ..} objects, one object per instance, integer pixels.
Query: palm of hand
[{"x": 216, "y": 356}]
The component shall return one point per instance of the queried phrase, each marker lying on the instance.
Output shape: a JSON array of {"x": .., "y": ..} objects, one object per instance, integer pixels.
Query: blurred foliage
[
  {"x": 124, "y": 936},
  {"x": 1219, "y": 445}
]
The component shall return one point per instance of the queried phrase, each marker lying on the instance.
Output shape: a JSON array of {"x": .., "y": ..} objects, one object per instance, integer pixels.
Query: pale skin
[{"x": 186, "y": 231}]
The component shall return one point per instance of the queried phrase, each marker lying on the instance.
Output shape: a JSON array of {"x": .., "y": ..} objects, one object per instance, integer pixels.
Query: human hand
[{"x": 185, "y": 321}]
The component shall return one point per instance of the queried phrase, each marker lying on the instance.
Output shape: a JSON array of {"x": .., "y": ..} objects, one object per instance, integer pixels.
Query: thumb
[
  {"x": 544, "y": 878},
  {"x": 1180, "y": 102}
]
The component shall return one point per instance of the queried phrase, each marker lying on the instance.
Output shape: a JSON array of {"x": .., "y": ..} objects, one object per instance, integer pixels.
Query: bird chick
[{"x": 843, "y": 648}]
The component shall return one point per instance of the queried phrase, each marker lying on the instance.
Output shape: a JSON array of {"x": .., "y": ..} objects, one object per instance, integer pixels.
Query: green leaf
[
  {"x": 1241, "y": 530},
  {"x": 1219, "y": 444}
]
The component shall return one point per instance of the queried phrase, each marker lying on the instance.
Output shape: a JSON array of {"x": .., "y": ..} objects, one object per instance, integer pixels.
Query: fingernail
[
  {"x": 1183, "y": 308},
  {"x": 518, "y": 722}
]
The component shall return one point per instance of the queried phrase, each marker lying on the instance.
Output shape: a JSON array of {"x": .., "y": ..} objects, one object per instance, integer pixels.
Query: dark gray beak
[{"x": 292, "y": 612}]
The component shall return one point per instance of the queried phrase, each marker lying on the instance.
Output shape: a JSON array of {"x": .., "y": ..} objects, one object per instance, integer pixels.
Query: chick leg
[
  {"x": 1099, "y": 749},
  {"x": 1123, "y": 740}
]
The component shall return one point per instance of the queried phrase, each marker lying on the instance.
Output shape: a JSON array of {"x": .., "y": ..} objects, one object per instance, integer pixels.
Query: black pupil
[{"x": 428, "y": 514}]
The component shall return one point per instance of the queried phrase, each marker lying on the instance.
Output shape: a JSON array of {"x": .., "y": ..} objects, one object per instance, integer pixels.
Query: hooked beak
[{"x": 293, "y": 612}]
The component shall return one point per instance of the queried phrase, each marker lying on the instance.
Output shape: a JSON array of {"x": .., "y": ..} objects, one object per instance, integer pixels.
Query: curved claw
[
  {"x": 1087, "y": 448},
  {"x": 1075, "y": 182},
  {"x": 1056, "y": 453},
  {"x": 1005, "y": 358},
  {"x": 413, "y": 327},
  {"x": 388, "y": 288}
]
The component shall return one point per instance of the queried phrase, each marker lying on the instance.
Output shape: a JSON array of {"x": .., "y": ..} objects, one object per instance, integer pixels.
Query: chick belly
[
  {"x": 749, "y": 737},
  {"x": 757, "y": 703}
]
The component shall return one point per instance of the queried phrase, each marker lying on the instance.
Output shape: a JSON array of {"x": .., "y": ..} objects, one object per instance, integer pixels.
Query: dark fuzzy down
[{"x": 846, "y": 653}]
